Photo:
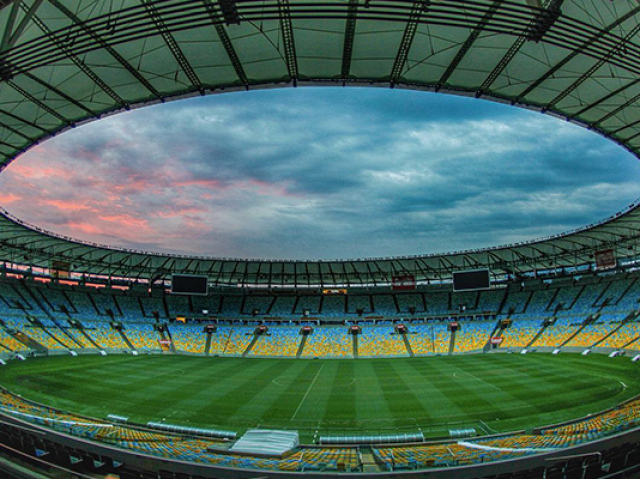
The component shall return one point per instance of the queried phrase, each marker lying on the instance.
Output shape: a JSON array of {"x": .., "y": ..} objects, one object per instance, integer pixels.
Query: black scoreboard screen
[
  {"x": 189, "y": 284},
  {"x": 471, "y": 280}
]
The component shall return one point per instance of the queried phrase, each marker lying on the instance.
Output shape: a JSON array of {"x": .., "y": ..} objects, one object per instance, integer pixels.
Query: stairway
[
  {"x": 30, "y": 343},
  {"x": 166, "y": 334},
  {"x": 302, "y": 344},
  {"x": 452, "y": 342},
  {"x": 407, "y": 344},
  {"x": 626, "y": 320},
  {"x": 369, "y": 463},
  {"x": 207, "y": 346},
  {"x": 497, "y": 332},
  {"x": 53, "y": 320},
  {"x": 125, "y": 339},
  {"x": 545, "y": 325},
  {"x": 355, "y": 345},
  {"x": 251, "y": 344},
  {"x": 590, "y": 319},
  {"x": 631, "y": 342},
  {"x": 89, "y": 338}
]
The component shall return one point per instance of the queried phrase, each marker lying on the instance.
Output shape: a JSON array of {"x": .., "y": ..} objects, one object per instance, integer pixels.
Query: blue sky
[{"x": 325, "y": 173}]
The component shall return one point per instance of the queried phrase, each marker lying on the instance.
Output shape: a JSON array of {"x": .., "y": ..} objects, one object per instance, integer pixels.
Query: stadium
[{"x": 516, "y": 361}]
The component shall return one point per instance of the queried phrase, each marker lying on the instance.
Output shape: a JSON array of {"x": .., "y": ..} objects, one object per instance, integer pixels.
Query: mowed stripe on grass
[{"x": 363, "y": 396}]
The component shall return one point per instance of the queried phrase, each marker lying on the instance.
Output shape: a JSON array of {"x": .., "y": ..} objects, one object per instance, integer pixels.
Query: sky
[{"x": 320, "y": 173}]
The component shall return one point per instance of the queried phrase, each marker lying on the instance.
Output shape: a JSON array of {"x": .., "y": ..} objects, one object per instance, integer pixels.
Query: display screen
[
  {"x": 189, "y": 284},
  {"x": 471, "y": 280}
]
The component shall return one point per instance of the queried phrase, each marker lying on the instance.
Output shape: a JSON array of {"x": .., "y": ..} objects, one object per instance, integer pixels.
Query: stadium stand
[
  {"x": 9, "y": 342},
  {"x": 521, "y": 332},
  {"x": 473, "y": 336},
  {"x": 595, "y": 331},
  {"x": 129, "y": 309},
  {"x": 442, "y": 338},
  {"x": 438, "y": 303},
  {"x": 385, "y": 304},
  {"x": 490, "y": 300},
  {"x": 380, "y": 341},
  {"x": 210, "y": 304},
  {"x": 359, "y": 303},
  {"x": 559, "y": 332},
  {"x": 239, "y": 339},
  {"x": 308, "y": 303},
  {"x": 78, "y": 337},
  {"x": 328, "y": 342},
  {"x": 231, "y": 305},
  {"x": 279, "y": 341},
  {"x": 142, "y": 336},
  {"x": 283, "y": 306},
  {"x": 539, "y": 304},
  {"x": 464, "y": 301},
  {"x": 622, "y": 337},
  {"x": 219, "y": 340},
  {"x": 257, "y": 304},
  {"x": 331, "y": 458},
  {"x": 613, "y": 292},
  {"x": 151, "y": 305},
  {"x": 409, "y": 302},
  {"x": 178, "y": 305},
  {"x": 104, "y": 335},
  {"x": 587, "y": 298},
  {"x": 422, "y": 339},
  {"x": 332, "y": 306},
  {"x": 516, "y": 301},
  {"x": 188, "y": 338},
  {"x": 597, "y": 320}
]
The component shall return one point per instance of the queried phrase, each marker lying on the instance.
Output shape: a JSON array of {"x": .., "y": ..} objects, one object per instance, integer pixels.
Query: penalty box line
[{"x": 307, "y": 393}]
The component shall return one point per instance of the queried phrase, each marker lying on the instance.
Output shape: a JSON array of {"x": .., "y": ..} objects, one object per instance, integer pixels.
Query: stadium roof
[{"x": 65, "y": 62}]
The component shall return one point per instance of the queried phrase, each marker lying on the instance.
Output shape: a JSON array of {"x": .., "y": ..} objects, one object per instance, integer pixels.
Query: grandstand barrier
[
  {"x": 192, "y": 431},
  {"x": 390, "y": 439},
  {"x": 117, "y": 419},
  {"x": 468, "y": 432}
]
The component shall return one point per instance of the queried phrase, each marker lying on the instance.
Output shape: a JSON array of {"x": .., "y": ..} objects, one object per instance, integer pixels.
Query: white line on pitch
[
  {"x": 307, "y": 393},
  {"x": 482, "y": 381}
]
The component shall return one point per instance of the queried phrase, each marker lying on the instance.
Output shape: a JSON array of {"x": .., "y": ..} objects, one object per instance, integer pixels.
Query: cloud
[{"x": 320, "y": 174}]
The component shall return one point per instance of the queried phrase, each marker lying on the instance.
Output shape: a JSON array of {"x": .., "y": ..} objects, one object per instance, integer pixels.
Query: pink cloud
[
  {"x": 5, "y": 199},
  {"x": 209, "y": 184},
  {"x": 127, "y": 220},
  {"x": 67, "y": 205},
  {"x": 87, "y": 228},
  {"x": 39, "y": 170}
]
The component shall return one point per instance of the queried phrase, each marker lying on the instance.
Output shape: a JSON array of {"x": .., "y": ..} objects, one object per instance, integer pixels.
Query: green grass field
[{"x": 497, "y": 392}]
